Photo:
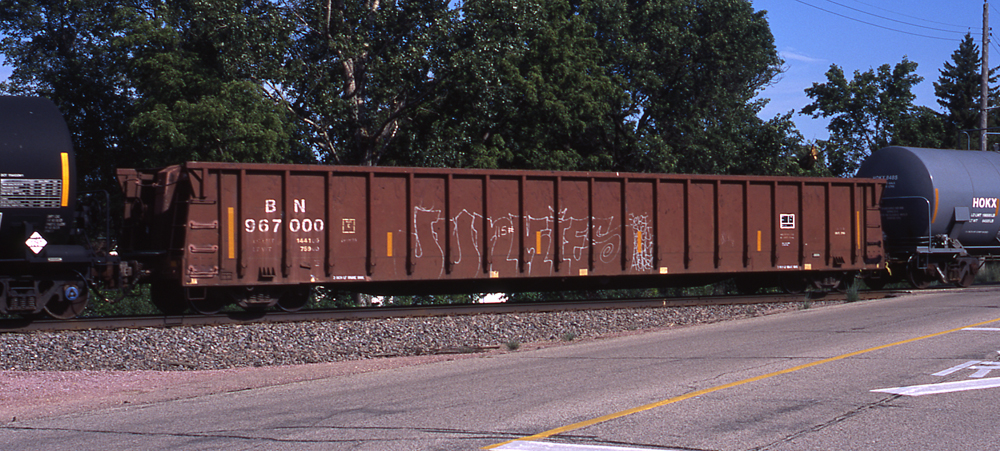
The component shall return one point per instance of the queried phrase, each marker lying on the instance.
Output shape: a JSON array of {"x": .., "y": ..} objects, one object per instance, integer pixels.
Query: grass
[
  {"x": 135, "y": 304},
  {"x": 852, "y": 291}
]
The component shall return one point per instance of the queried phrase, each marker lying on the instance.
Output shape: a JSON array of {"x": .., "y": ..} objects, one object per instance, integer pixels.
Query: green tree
[
  {"x": 145, "y": 83},
  {"x": 521, "y": 88},
  {"x": 866, "y": 113},
  {"x": 662, "y": 85},
  {"x": 690, "y": 71},
  {"x": 357, "y": 69},
  {"x": 958, "y": 90},
  {"x": 775, "y": 147},
  {"x": 923, "y": 127},
  {"x": 197, "y": 69},
  {"x": 63, "y": 50}
]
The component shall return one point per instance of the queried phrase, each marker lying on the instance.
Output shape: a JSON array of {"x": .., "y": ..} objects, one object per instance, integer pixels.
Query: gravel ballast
[{"x": 259, "y": 345}]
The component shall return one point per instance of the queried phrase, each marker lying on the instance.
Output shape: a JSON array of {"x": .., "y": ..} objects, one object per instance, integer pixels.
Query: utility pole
[{"x": 985, "y": 80}]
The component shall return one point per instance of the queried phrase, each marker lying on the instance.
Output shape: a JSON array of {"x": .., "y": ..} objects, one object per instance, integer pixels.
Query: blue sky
[{"x": 864, "y": 34}]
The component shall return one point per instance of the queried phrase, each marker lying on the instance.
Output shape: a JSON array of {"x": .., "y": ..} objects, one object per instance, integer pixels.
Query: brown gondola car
[{"x": 255, "y": 234}]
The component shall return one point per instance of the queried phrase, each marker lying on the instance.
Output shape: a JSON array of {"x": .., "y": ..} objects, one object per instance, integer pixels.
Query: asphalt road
[{"x": 799, "y": 381}]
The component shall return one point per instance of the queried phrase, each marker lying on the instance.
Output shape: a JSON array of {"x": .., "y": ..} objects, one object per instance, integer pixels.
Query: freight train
[{"x": 206, "y": 235}]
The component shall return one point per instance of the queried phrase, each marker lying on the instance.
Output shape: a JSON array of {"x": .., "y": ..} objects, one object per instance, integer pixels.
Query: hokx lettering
[{"x": 984, "y": 202}]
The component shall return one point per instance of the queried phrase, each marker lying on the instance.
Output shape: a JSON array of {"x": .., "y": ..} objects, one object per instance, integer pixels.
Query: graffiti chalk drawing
[{"x": 539, "y": 236}]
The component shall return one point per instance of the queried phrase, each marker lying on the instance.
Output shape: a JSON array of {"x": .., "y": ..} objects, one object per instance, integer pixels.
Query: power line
[
  {"x": 993, "y": 42},
  {"x": 918, "y": 18},
  {"x": 891, "y": 19},
  {"x": 874, "y": 24}
]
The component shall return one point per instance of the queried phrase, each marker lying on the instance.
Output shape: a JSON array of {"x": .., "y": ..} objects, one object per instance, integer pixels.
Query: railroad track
[{"x": 242, "y": 317}]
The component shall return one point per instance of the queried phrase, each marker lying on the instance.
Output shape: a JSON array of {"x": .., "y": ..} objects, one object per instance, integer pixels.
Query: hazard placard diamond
[{"x": 36, "y": 243}]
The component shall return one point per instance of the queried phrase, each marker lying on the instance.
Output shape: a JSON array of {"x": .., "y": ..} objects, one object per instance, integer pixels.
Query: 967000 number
[{"x": 274, "y": 225}]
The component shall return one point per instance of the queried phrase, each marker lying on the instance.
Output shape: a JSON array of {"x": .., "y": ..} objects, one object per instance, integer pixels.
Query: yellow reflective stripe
[
  {"x": 859, "y": 229},
  {"x": 936, "y": 198},
  {"x": 230, "y": 238},
  {"x": 65, "y": 178}
]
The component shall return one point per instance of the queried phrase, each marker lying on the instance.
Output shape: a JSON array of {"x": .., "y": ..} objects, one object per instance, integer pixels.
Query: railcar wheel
[
  {"x": 256, "y": 298},
  {"x": 846, "y": 281},
  {"x": 794, "y": 284},
  {"x": 293, "y": 299},
  {"x": 206, "y": 301},
  {"x": 917, "y": 282},
  {"x": 829, "y": 282},
  {"x": 70, "y": 305},
  {"x": 966, "y": 280},
  {"x": 916, "y": 276},
  {"x": 967, "y": 276}
]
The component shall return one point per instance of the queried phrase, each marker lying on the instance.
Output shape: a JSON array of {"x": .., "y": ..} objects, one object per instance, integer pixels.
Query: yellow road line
[{"x": 624, "y": 413}]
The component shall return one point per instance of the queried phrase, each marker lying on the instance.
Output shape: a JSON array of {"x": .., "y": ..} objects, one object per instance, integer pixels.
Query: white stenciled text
[
  {"x": 984, "y": 202},
  {"x": 274, "y": 225}
]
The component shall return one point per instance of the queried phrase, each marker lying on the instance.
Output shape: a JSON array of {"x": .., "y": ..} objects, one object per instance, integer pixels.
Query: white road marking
[
  {"x": 944, "y": 387},
  {"x": 984, "y": 368},
  {"x": 546, "y": 446},
  {"x": 956, "y": 368},
  {"x": 988, "y": 329}
]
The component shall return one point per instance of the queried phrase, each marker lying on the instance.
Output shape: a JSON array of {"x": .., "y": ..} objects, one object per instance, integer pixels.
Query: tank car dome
[
  {"x": 33, "y": 129},
  {"x": 932, "y": 192}
]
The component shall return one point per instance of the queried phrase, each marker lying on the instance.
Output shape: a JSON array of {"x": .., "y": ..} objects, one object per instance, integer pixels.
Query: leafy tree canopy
[
  {"x": 522, "y": 88},
  {"x": 660, "y": 85},
  {"x": 63, "y": 50},
  {"x": 875, "y": 109},
  {"x": 356, "y": 70},
  {"x": 690, "y": 71},
  {"x": 196, "y": 69},
  {"x": 959, "y": 90},
  {"x": 866, "y": 113}
]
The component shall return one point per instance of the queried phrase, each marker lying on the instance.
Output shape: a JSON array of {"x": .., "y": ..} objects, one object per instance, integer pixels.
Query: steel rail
[{"x": 13, "y": 325}]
